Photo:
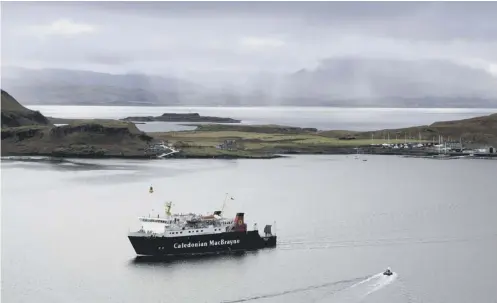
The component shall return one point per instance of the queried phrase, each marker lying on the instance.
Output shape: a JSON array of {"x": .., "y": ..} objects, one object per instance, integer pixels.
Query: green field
[{"x": 250, "y": 142}]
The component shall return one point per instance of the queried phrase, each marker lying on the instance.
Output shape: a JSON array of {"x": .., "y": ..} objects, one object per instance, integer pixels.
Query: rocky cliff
[
  {"x": 26, "y": 132},
  {"x": 14, "y": 114}
]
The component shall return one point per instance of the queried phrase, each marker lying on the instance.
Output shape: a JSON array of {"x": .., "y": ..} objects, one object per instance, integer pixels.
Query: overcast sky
[{"x": 184, "y": 38}]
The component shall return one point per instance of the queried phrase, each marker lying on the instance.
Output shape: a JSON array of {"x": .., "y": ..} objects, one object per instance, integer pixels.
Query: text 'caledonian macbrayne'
[{"x": 205, "y": 244}]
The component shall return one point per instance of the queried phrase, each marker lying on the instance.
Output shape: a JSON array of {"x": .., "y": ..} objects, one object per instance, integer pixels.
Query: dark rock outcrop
[
  {"x": 179, "y": 117},
  {"x": 120, "y": 139},
  {"x": 14, "y": 114},
  {"x": 27, "y": 132},
  {"x": 266, "y": 129}
]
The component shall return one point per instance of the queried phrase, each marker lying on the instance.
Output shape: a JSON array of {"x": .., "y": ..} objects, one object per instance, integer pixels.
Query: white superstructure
[{"x": 177, "y": 225}]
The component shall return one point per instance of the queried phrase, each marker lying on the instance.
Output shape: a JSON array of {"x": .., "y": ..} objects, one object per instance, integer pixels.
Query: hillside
[
  {"x": 14, "y": 114},
  {"x": 247, "y": 140},
  {"x": 77, "y": 87},
  {"x": 25, "y": 132},
  {"x": 114, "y": 138},
  {"x": 473, "y": 131}
]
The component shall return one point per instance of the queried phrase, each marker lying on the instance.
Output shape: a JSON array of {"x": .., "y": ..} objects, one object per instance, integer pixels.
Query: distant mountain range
[{"x": 344, "y": 82}]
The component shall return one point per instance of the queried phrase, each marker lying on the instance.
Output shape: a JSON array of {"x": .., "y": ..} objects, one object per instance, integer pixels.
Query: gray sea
[{"x": 340, "y": 222}]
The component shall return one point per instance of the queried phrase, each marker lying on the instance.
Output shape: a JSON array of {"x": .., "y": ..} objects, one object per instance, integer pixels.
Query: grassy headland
[
  {"x": 275, "y": 139},
  {"x": 26, "y": 132},
  {"x": 473, "y": 131},
  {"x": 86, "y": 139},
  {"x": 13, "y": 114},
  {"x": 261, "y": 140}
]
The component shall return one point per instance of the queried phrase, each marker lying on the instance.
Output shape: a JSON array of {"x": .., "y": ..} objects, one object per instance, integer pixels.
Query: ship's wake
[
  {"x": 381, "y": 282},
  {"x": 343, "y": 283},
  {"x": 359, "y": 291},
  {"x": 352, "y": 290}
]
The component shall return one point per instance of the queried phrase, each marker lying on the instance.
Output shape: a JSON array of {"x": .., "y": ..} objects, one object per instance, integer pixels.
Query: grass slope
[
  {"x": 13, "y": 114},
  {"x": 273, "y": 138}
]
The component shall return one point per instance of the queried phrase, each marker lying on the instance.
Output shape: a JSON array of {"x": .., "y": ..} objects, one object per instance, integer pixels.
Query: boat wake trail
[
  {"x": 296, "y": 290},
  {"x": 362, "y": 289},
  {"x": 381, "y": 282}
]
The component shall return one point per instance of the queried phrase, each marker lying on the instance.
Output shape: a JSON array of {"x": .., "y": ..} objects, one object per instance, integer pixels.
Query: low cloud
[
  {"x": 63, "y": 27},
  {"x": 259, "y": 43},
  {"x": 224, "y": 41}
]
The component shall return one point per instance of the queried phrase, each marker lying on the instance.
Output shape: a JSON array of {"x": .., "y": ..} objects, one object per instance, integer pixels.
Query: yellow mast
[{"x": 167, "y": 206}]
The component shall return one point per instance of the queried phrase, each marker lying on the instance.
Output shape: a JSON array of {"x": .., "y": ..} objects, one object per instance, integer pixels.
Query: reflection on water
[
  {"x": 154, "y": 260},
  {"x": 53, "y": 163}
]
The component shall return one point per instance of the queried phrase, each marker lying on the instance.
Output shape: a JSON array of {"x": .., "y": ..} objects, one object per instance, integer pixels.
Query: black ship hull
[{"x": 147, "y": 245}]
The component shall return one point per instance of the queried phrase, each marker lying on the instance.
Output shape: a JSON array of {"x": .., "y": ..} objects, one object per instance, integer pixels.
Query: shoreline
[
  {"x": 281, "y": 154},
  {"x": 29, "y": 133}
]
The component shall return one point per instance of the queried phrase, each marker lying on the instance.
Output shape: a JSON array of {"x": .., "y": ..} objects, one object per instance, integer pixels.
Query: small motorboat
[{"x": 387, "y": 272}]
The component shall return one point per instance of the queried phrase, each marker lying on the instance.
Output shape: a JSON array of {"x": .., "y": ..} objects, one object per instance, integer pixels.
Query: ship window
[{"x": 201, "y": 231}]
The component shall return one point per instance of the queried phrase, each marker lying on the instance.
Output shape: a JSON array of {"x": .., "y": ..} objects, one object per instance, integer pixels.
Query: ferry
[{"x": 195, "y": 234}]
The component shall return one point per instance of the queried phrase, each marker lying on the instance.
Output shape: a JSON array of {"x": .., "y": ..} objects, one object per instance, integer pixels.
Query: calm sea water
[
  {"x": 324, "y": 118},
  {"x": 340, "y": 222}
]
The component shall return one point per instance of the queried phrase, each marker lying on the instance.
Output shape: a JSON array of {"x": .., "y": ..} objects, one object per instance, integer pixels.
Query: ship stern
[{"x": 269, "y": 241}]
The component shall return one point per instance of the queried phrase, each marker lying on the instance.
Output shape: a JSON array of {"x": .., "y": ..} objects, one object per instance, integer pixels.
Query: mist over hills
[
  {"x": 59, "y": 86},
  {"x": 345, "y": 81}
]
